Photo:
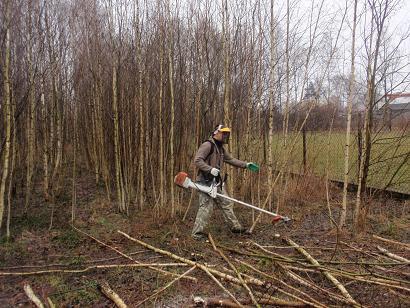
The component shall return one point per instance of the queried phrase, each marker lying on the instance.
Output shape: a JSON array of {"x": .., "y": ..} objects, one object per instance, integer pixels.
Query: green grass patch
[
  {"x": 389, "y": 160},
  {"x": 84, "y": 295},
  {"x": 29, "y": 222},
  {"x": 68, "y": 238}
]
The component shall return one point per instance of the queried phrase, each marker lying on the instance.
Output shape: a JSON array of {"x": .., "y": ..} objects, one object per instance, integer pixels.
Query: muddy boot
[{"x": 201, "y": 237}]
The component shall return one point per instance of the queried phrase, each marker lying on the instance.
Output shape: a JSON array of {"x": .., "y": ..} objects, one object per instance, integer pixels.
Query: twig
[
  {"x": 313, "y": 286},
  {"x": 272, "y": 253},
  {"x": 110, "y": 293},
  {"x": 404, "y": 245},
  {"x": 272, "y": 300},
  {"x": 90, "y": 268},
  {"x": 128, "y": 257},
  {"x": 33, "y": 297},
  {"x": 50, "y": 303},
  {"x": 314, "y": 302},
  {"x": 392, "y": 255},
  {"x": 205, "y": 269},
  {"x": 67, "y": 264},
  {"x": 167, "y": 286},
  {"x": 254, "y": 301},
  {"x": 329, "y": 276},
  {"x": 192, "y": 263}
]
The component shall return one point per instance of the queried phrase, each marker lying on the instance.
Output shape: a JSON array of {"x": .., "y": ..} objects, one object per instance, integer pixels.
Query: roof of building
[{"x": 399, "y": 106}]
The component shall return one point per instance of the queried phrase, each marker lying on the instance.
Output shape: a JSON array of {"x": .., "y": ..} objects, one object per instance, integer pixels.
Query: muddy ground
[{"x": 35, "y": 247}]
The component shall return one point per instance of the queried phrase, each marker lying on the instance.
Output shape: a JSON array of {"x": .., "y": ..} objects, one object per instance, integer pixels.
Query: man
[{"x": 209, "y": 159}]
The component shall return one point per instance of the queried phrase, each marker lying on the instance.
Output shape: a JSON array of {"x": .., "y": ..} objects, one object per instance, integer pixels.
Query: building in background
[{"x": 395, "y": 113}]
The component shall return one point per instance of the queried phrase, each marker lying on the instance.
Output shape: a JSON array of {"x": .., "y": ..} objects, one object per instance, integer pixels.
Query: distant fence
[{"x": 322, "y": 153}]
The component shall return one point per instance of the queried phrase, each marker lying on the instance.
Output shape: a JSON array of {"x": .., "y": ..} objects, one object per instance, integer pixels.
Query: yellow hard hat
[{"x": 222, "y": 128}]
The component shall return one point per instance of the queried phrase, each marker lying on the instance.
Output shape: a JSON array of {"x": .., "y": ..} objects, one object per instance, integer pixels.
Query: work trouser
[{"x": 206, "y": 206}]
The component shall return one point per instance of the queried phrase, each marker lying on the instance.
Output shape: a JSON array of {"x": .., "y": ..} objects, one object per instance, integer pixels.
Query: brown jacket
[{"x": 206, "y": 161}]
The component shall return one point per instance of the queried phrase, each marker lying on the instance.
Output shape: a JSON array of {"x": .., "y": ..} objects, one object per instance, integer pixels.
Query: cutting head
[
  {"x": 181, "y": 179},
  {"x": 279, "y": 218}
]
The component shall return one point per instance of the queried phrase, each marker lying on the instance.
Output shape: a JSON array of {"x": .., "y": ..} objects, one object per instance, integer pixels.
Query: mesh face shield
[
  {"x": 226, "y": 131},
  {"x": 225, "y": 137}
]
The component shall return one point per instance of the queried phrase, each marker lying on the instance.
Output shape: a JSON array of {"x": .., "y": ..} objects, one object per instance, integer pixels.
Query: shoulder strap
[{"x": 212, "y": 149}]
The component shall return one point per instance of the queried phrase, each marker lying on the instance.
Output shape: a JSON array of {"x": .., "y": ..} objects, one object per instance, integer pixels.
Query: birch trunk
[
  {"x": 30, "y": 116},
  {"x": 171, "y": 90},
  {"x": 160, "y": 127},
  {"x": 379, "y": 15},
  {"x": 7, "y": 110},
  {"x": 271, "y": 96},
  {"x": 342, "y": 219},
  {"x": 117, "y": 151}
]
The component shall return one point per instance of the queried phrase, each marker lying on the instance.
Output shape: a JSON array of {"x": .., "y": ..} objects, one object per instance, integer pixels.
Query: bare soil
[{"x": 36, "y": 247}]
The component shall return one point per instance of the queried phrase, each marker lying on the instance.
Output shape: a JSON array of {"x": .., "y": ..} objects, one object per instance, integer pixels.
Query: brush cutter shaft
[
  {"x": 182, "y": 180},
  {"x": 248, "y": 205}
]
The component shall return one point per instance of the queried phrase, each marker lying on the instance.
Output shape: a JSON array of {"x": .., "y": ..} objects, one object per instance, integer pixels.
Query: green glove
[{"x": 252, "y": 167}]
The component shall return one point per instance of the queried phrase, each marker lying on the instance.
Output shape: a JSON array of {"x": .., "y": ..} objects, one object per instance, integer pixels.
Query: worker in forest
[{"x": 209, "y": 160}]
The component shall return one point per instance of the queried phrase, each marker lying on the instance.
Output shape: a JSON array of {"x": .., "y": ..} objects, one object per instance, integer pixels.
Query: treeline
[{"x": 130, "y": 88}]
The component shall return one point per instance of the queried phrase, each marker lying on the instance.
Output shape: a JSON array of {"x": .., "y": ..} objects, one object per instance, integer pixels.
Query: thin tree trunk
[
  {"x": 117, "y": 151},
  {"x": 30, "y": 118},
  {"x": 161, "y": 123},
  {"x": 46, "y": 180},
  {"x": 271, "y": 96},
  {"x": 13, "y": 163},
  {"x": 342, "y": 219},
  {"x": 7, "y": 109},
  {"x": 379, "y": 15},
  {"x": 171, "y": 89}
]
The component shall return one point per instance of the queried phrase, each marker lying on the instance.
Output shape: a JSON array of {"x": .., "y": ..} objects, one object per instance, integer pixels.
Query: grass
[
  {"x": 68, "y": 238},
  {"x": 388, "y": 164}
]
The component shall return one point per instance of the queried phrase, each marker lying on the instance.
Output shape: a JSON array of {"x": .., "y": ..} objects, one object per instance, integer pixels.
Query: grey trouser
[{"x": 206, "y": 206}]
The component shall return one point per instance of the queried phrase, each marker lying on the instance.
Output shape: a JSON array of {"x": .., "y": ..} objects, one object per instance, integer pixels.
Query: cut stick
[
  {"x": 32, "y": 296},
  {"x": 404, "y": 245},
  {"x": 128, "y": 257},
  {"x": 206, "y": 270},
  {"x": 110, "y": 293},
  {"x": 192, "y": 263},
  {"x": 313, "y": 303},
  {"x": 392, "y": 255},
  {"x": 219, "y": 302},
  {"x": 50, "y": 303},
  {"x": 329, "y": 276},
  {"x": 268, "y": 299},
  {"x": 108, "y": 266},
  {"x": 257, "y": 282},
  {"x": 254, "y": 301},
  {"x": 167, "y": 286},
  {"x": 313, "y": 286}
]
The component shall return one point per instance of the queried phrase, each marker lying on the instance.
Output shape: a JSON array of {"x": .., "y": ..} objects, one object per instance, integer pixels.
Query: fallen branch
[
  {"x": 206, "y": 270},
  {"x": 214, "y": 302},
  {"x": 272, "y": 300},
  {"x": 313, "y": 286},
  {"x": 313, "y": 303},
  {"x": 329, "y": 276},
  {"x": 192, "y": 263},
  {"x": 392, "y": 255},
  {"x": 32, "y": 296},
  {"x": 50, "y": 303},
  {"x": 128, "y": 257},
  {"x": 89, "y": 268},
  {"x": 107, "y": 291},
  {"x": 254, "y": 301},
  {"x": 404, "y": 245},
  {"x": 167, "y": 286}
]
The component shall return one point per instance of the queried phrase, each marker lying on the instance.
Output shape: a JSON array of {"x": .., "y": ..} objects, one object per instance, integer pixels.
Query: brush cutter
[{"x": 182, "y": 180}]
